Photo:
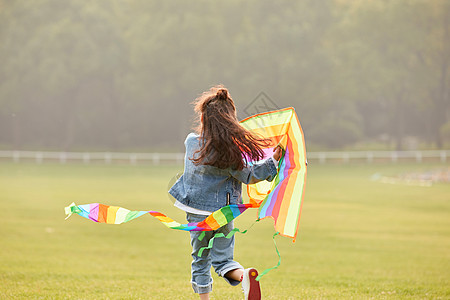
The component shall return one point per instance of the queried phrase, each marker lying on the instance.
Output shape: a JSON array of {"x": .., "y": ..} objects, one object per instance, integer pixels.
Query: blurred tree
[
  {"x": 434, "y": 59},
  {"x": 62, "y": 58},
  {"x": 378, "y": 58},
  {"x": 110, "y": 74}
]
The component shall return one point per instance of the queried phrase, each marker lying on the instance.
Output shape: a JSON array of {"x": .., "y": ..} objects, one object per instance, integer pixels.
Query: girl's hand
[{"x": 278, "y": 152}]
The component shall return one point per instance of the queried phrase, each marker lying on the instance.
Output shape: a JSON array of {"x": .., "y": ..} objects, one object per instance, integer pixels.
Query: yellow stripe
[
  {"x": 220, "y": 218},
  {"x": 172, "y": 224},
  {"x": 111, "y": 215},
  {"x": 271, "y": 131},
  {"x": 275, "y": 118},
  {"x": 164, "y": 219}
]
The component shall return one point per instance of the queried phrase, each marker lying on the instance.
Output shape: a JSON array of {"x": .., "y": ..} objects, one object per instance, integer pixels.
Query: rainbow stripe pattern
[
  {"x": 280, "y": 199},
  {"x": 117, "y": 215}
]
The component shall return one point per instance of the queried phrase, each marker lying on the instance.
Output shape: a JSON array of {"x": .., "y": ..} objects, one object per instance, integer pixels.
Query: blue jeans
[{"x": 220, "y": 256}]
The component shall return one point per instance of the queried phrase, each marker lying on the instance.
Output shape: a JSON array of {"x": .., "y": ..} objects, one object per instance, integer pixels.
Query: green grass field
[{"x": 358, "y": 238}]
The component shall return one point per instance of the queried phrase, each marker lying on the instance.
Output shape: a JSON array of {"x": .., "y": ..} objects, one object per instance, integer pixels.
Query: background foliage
[{"x": 114, "y": 74}]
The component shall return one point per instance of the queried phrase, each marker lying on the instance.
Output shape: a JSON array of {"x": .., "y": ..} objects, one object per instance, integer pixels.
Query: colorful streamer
[{"x": 117, "y": 215}]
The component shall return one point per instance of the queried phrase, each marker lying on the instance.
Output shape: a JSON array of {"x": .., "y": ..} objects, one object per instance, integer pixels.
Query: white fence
[
  {"x": 177, "y": 158},
  {"x": 88, "y": 157},
  {"x": 371, "y": 156}
]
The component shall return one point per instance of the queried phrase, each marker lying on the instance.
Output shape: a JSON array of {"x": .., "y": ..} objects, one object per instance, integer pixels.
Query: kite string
[{"x": 274, "y": 267}]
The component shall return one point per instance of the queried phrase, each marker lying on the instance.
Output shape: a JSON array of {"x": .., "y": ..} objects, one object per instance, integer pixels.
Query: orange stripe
[
  {"x": 164, "y": 219},
  {"x": 203, "y": 225},
  {"x": 211, "y": 222},
  {"x": 102, "y": 213},
  {"x": 157, "y": 214}
]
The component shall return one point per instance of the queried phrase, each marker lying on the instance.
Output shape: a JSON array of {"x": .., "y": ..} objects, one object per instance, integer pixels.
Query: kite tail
[
  {"x": 274, "y": 267},
  {"x": 69, "y": 210},
  {"x": 217, "y": 235},
  {"x": 220, "y": 235}
]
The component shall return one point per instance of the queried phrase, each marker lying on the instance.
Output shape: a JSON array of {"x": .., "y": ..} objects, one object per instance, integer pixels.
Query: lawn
[{"x": 358, "y": 238}]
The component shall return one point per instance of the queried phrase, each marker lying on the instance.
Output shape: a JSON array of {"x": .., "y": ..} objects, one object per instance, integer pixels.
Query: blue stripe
[{"x": 85, "y": 208}]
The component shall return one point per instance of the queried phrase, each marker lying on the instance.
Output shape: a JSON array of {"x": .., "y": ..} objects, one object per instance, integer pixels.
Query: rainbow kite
[{"x": 280, "y": 199}]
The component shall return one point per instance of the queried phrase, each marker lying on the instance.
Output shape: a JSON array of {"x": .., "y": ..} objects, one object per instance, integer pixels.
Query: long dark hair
[{"x": 224, "y": 142}]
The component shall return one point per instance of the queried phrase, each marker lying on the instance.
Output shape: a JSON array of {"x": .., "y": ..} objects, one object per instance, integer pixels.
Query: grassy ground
[{"x": 358, "y": 238}]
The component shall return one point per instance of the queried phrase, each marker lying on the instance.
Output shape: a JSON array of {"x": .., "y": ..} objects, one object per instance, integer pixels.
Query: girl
[{"x": 214, "y": 170}]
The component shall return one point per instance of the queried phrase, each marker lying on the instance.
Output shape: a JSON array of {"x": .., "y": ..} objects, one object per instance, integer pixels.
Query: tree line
[{"x": 121, "y": 75}]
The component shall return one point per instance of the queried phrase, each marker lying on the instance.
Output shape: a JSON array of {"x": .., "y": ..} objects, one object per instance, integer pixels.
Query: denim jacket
[{"x": 210, "y": 188}]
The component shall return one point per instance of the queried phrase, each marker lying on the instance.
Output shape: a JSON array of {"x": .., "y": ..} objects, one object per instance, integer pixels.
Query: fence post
[
  {"x": 369, "y": 157},
  {"x": 133, "y": 158},
  {"x": 322, "y": 157},
  {"x": 16, "y": 156},
  {"x": 86, "y": 158},
  {"x": 394, "y": 156},
  {"x": 107, "y": 158},
  {"x": 419, "y": 156},
  {"x": 62, "y": 157},
  {"x": 346, "y": 157},
  {"x": 155, "y": 158},
  {"x": 39, "y": 157}
]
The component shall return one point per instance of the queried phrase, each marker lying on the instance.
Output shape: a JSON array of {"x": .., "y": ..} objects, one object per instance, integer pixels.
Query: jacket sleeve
[{"x": 263, "y": 170}]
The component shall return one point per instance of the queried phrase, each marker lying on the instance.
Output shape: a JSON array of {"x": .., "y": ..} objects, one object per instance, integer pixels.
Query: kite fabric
[
  {"x": 117, "y": 215},
  {"x": 280, "y": 199}
]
